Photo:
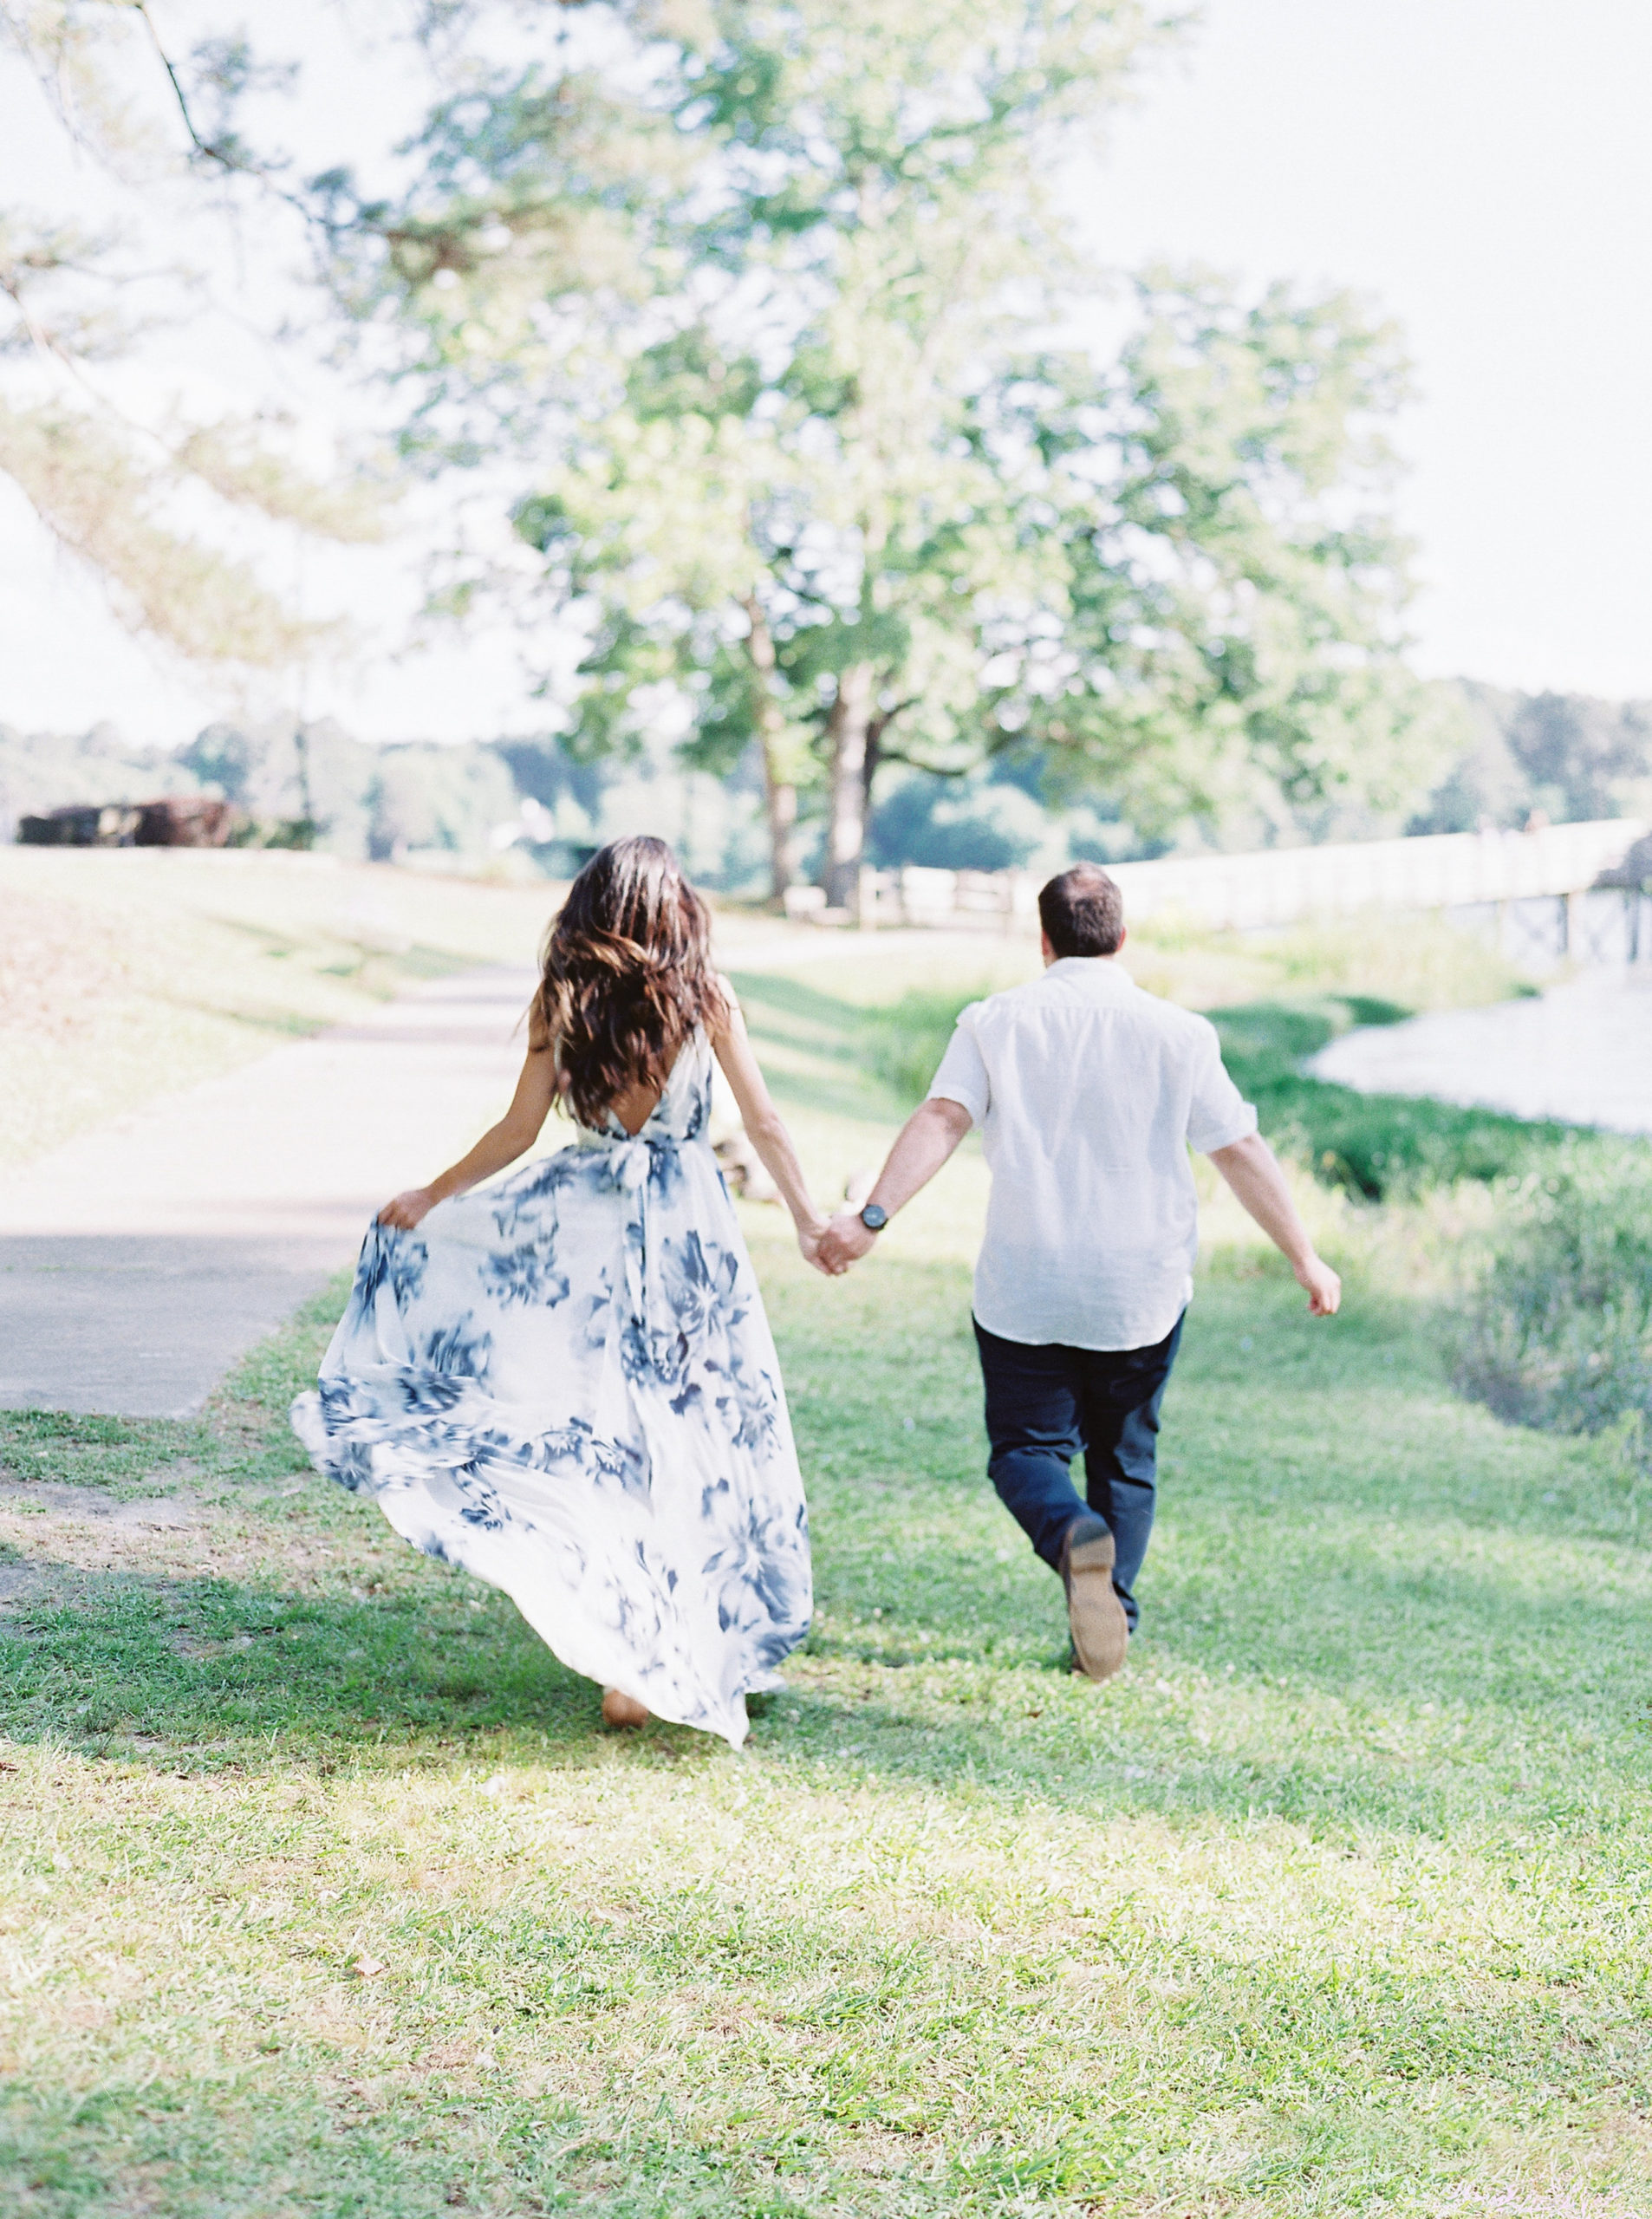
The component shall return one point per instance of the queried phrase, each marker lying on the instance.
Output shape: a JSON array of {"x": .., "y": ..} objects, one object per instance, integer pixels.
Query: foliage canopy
[{"x": 773, "y": 307}]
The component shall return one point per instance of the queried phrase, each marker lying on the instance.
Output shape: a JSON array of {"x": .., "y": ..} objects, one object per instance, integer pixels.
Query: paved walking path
[
  {"x": 140, "y": 1261},
  {"x": 1582, "y": 1053}
]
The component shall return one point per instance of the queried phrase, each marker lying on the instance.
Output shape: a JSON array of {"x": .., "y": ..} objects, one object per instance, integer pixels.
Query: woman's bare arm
[
  {"x": 765, "y": 1128},
  {"x": 513, "y": 1136}
]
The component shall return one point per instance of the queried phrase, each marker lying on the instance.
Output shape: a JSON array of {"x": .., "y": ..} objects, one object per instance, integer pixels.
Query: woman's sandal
[{"x": 621, "y": 1709}]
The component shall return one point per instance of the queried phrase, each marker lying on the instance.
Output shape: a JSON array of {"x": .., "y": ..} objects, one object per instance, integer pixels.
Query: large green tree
[
  {"x": 752, "y": 294},
  {"x": 1220, "y": 639}
]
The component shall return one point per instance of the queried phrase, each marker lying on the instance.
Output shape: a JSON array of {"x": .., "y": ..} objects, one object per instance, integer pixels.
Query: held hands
[
  {"x": 811, "y": 1239},
  {"x": 844, "y": 1242},
  {"x": 406, "y": 1209},
  {"x": 808, "y": 1238},
  {"x": 831, "y": 1246}
]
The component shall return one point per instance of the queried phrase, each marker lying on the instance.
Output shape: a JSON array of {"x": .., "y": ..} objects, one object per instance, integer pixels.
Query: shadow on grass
[
  {"x": 1316, "y": 1583},
  {"x": 115, "y": 1663},
  {"x": 415, "y": 960},
  {"x": 788, "y": 1013},
  {"x": 207, "y": 1675},
  {"x": 280, "y": 1024}
]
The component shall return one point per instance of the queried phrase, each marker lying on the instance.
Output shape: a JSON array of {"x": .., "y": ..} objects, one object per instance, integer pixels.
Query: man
[{"x": 1089, "y": 1093}]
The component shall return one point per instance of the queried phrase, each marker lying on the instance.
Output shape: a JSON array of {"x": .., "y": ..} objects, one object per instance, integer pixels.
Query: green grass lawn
[{"x": 323, "y": 1893}]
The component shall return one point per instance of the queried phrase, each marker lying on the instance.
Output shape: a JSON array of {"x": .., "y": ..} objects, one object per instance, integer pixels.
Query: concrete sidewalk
[{"x": 141, "y": 1261}]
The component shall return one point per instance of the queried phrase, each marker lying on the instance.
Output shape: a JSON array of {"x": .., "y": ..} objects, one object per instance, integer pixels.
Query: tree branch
[{"x": 229, "y": 158}]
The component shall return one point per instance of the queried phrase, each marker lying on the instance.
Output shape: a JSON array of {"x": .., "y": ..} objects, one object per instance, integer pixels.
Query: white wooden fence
[{"x": 1279, "y": 886}]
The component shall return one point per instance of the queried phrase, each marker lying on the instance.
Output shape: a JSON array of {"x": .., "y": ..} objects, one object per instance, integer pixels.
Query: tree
[
  {"x": 751, "y": 294},
  {"x": 737, "y": 286},
  {"x": 1220, "y": 636},
  {"x": 1583, "y": 758},
  {"x": 111, "y": 487}
]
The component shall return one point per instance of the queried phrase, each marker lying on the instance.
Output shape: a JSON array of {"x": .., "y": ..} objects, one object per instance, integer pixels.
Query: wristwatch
[{"x": 874, "y": 1217}]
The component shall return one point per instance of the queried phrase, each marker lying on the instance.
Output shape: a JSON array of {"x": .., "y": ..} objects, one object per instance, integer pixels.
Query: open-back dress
[{"x": 567, "y": 1384}]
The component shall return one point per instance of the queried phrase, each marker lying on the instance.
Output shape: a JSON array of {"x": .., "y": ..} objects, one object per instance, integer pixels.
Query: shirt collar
[{"x": 1101, "y": 975}]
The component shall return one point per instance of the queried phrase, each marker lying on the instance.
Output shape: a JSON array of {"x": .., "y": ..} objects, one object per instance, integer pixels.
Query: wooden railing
[{"x": 1279, "y": 886}]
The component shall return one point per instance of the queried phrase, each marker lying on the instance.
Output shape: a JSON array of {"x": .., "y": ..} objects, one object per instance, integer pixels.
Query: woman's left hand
[
  {"x": 809, "y": 1240},
  {"x": 406, "y": 1209}
]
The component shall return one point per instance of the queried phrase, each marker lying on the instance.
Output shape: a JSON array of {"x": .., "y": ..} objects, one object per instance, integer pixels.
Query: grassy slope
[
  {"x": 125, "y": 973},
  {"x": 323, "y": 1894}
]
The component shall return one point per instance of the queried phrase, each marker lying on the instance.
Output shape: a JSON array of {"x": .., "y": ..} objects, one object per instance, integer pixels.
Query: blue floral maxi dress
[{"x": 567, "y": 1384}]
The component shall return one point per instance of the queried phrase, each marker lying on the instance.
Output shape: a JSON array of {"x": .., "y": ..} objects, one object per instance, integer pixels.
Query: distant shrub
[
  {"x": 1559, "y": 1334},
  {"x": 299, "y": 832},
  {"x": 956, "y": 824},
  {"x": 1422, "y": 962}
]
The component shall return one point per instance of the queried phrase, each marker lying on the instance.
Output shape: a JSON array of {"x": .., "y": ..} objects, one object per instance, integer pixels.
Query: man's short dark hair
[{"x": 1083, "y": 912}]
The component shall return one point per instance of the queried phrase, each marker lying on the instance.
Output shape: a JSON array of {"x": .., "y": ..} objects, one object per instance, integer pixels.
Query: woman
[{"x": 566, "y": 1384}]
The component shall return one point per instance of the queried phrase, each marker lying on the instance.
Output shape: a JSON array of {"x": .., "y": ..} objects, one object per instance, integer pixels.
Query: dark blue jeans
[{"x": 1044, "y": 1406}]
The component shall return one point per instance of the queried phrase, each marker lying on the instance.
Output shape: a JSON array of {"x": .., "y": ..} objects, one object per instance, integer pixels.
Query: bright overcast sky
[{"x": 1482, "y": 169}]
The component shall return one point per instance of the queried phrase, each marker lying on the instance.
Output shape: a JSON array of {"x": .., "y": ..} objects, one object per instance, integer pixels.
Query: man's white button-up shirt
[{"x": 1088, "y": 1092}]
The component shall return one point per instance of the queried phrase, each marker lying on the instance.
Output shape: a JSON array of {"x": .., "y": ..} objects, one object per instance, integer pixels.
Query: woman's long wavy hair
[{"x": 626, "y": 974}]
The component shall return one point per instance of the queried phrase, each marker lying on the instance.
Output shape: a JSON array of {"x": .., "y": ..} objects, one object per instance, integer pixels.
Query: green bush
[
  {"x": 1378, "y": 1146},
  {"x": 1560, "y": 1331},
  {"x": 905, "y": 1042}
]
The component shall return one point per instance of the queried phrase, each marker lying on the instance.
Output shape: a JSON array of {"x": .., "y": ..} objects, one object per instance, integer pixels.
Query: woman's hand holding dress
[
  {"x": 406, "y": 1209},
  {"x": 513, "y": 1136}
]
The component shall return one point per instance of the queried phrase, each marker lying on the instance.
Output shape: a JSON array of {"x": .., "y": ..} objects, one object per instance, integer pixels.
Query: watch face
[{"x": 874, "y": 1218}]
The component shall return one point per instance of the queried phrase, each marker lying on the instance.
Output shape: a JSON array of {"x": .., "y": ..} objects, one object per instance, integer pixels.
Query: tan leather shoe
[
  {"x": 621, "y": 1709},
  {"x": 1101, "y": 1631}
]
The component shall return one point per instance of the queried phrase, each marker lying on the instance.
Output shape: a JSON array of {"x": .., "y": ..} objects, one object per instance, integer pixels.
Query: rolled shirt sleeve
[
  {"x": 1219, "y": 1115},
  {"x": 962, "y": 1076}
]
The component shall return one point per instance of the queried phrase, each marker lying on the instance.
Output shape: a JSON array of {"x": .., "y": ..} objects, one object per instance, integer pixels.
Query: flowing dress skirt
[{"x": 566, "y": 1384}]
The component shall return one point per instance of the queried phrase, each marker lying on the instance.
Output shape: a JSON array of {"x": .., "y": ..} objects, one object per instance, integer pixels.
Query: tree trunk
[
  {"x": 779, "y": 794},
  {"x": 875, "y": 731},
  {"x": 780, "y": 800},
  {"x": 847, "y": 726}
]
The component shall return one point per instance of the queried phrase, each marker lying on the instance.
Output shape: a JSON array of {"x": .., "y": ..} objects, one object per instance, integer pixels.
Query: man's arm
[
  {"x": 1252, "y": 1169},
  {"x": 922, "y": 1145}
]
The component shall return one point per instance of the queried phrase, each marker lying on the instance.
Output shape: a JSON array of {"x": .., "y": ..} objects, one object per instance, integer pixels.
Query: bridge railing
[{"x": 1279, "y": 886}]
